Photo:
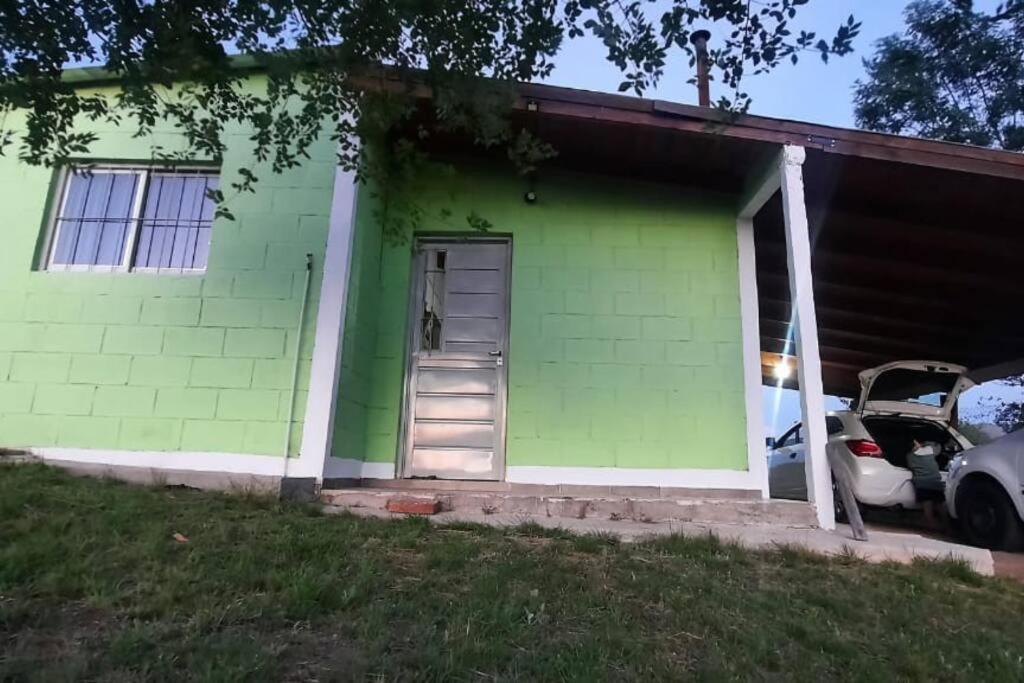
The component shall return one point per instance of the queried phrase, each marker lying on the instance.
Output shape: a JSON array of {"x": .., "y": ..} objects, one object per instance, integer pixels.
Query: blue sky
[{"x": 809, "y": 91}]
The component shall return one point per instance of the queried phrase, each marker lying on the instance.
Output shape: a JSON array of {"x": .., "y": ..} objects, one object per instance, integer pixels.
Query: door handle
[
  {"x": 494, "y": 353},
  {"x": 792, "y": 456}
]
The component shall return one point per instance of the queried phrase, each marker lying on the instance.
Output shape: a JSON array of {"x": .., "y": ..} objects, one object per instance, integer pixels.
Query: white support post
[
  {"x": 805, "y": 331},
  {"x": 757, "y": 462},
  {"x": 330, "y": 328}
]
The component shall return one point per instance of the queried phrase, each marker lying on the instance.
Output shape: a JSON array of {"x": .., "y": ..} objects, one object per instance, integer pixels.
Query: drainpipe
[
  {"x": 700, "y": 44},
  {"x": 295, "y": 363}
]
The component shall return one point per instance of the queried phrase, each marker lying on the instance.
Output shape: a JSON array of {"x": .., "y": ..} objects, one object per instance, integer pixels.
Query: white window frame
[{"x": 134, "y": 220}]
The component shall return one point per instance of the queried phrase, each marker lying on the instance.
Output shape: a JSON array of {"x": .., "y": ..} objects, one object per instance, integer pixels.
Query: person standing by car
[{"x": 927, "y": 480}]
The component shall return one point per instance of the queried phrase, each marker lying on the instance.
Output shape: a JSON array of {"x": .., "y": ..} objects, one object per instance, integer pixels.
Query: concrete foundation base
[{"x": 588, "y": 505}]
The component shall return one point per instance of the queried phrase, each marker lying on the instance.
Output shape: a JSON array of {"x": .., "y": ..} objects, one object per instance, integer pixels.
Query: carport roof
[{"x": 918, "y": 244}]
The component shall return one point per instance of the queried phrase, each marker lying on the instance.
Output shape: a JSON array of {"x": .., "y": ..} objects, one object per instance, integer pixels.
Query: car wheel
[{"x": 987, "y": 516}]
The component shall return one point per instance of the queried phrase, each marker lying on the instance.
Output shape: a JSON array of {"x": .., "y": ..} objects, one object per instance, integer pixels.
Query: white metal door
[{"x": 454, "y": 426}]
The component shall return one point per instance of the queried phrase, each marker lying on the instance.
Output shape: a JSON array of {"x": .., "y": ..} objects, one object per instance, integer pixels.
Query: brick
[
  {"x": 590, "y": 303},
  {"x": 605, "y": 376},
  {"x": 616, "y": 235},
  {"x": 193, "y": 341},
  {"x": 72, "y": 338},
  {"x": 40, "y": 367},
  {"x": 611, "y": 280},
  {"x": 639, "y": 352},
  {"x": 124, "y": 401},
  {"x": 186, "y": 402},
  {"x": 254, "y": 343},
  {"x": 545, "y": 255},
  {"x": 640, "y": 258},
  {"x": 667, "y": 329},
  {"x": 165, "y": 285},
  {"x": 525, "y": 277},
  {"x": 21, "y": 336},
  {"x": 159, "y": 371},
  {"x": 150, "y": 434},
  {"x": 282, "y": 313},
  {"x": 12, "y": 306},
  {"x": 589, "y": 350},
  {"x": 88, "y": 432},
  {"x": 690, "y": 353},
  {"x": 262, "y": 285},
  {"x": 556, "y": 325},
  {"x": 277, "y": 374},
  {"x": 221, "y": 372},
  {"x": 639, "y": 304},
  {"x": 57, "y": 307},
  {"x": 213, "y": 435},
  {"x": 27, "y": 430},
  {"x": 99, "y": 369},
  {"x": 218, "y": 284},
  {"x": 239, "y": 256},
  {"x": 565, "y": 278},
  {"x": 674, "y": 283},
  {"x": 63, "y": 399},
  {"x": 165, "y": 311},
  {"x": 413, "y": 506},
  {"x": 16, "y": 398},
  {"x": 615, "y": 327},
  {"x": 266, "y": 438},
  {"x": 230, "y": 313},
  {"x": 133, "y": 340},
  {"x": 292, "y": 255},
  {"x": 248, "y": 404},
  {"x": 117, "y": 310}
]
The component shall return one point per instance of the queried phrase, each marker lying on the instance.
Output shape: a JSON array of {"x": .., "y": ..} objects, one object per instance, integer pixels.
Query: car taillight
[{"x": 864, "y": 448}]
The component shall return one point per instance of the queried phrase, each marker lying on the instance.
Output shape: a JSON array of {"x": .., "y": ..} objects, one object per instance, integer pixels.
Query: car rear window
[
  {"x": 833, "y": 425},
  {"x": 913, "y": 386}
]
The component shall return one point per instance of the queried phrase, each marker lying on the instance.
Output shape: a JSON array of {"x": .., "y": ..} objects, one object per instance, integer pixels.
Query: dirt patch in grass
[{"x": 94, "y": 585}]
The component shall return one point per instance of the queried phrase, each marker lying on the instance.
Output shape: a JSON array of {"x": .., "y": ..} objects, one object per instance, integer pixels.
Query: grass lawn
[{"x": 94, "y": 585}]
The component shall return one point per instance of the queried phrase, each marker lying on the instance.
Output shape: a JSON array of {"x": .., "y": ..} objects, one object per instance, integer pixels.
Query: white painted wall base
[
  {"x": 621, "y": 476},
  {"x": 227, "y": 463}
]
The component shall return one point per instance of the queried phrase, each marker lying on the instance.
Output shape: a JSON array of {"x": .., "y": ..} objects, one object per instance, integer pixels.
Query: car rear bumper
[{"x": 876, "y": 482}]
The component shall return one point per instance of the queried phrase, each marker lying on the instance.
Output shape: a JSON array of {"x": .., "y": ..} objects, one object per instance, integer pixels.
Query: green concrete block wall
[
  {"x": 625, "y": 333},
  {"x": 362, "y": 316},
  {"x": 163, "y": 362}
]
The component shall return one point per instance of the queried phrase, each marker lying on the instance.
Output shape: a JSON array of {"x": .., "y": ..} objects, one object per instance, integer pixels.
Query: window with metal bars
[{"x": 117, "y": 218}]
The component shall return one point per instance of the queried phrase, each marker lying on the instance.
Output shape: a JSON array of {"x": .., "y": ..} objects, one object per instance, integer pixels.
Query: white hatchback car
[
  {"x": 899, "y": 403},
  {"x": 985, "y": 494}
]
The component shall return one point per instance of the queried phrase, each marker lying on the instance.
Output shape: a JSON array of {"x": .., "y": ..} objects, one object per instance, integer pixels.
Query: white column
[
  {"x": 757, "y": 462},
  {"x": 328, "y": 339},
  {"x": 805, "y": 331}
]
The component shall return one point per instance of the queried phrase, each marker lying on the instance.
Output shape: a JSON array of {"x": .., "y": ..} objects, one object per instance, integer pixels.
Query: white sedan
[{"x": 899, "y": 403}]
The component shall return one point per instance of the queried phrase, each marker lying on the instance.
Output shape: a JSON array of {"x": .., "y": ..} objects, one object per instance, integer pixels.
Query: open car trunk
[
  {"x": 896, "y": 436},
  {"x": 912, "y": 387}
]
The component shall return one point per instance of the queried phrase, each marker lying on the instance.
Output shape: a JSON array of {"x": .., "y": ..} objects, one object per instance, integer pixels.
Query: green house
[{"x": 605, "y": 330}]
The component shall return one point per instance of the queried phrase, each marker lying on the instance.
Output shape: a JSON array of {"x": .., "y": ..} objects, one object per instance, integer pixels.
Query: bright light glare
[{"x": 782, "y": 370}]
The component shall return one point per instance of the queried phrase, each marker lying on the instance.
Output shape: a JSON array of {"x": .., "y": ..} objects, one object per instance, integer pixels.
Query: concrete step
[{"x": 636, "y": 509}]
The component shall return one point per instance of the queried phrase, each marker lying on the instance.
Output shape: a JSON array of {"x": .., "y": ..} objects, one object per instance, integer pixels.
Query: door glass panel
[{"x": 432, "y": 306}]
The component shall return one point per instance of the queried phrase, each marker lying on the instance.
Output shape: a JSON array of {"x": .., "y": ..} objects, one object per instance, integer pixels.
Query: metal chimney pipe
[{"x": 700, "y": 43}]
